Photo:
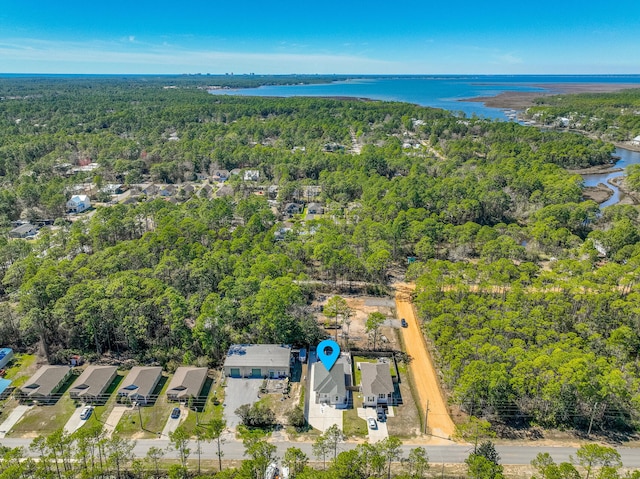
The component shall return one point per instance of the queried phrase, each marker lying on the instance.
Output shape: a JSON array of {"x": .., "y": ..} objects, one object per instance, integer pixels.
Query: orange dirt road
[{"x": 423, "y": 374}]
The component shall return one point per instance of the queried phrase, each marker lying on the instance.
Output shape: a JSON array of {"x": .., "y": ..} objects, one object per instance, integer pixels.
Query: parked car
[
  {"x": 381, "y": 415},
  {"x": 86, "y": 413},
  {"x": 372, "y": 423},
  {"x": 175, "y": 413},
  {"x": 403, "y": 322}
]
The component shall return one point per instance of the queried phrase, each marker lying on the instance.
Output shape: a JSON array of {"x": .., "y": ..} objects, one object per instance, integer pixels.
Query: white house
[
  {"x": 78, "y": 203},
  {"x": 636, "y": 141},
  {"x": 330, "y": 387},
  {"x": 251, "y": 175}
]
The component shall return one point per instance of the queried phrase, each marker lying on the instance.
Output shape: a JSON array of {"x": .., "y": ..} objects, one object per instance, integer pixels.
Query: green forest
[{"x": 528, "y": 292}]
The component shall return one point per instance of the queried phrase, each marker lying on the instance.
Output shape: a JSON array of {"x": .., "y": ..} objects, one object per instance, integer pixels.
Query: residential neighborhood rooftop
[
  {"x": 375, "y": 379},
  {"x": 266, "y": 355},
  {"x": 140, "y": 381},
  {"x": 45, "y": 381},
  {"x": 187, "y": 381}
]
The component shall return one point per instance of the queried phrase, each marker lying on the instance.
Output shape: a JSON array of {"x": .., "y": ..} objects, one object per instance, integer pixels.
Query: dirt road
[{"x": 423, "y": 373}]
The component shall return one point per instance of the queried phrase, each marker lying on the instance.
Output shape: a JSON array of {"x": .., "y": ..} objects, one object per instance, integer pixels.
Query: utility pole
[
  {"x": 593, "y": 413},
  {"x": 426, "y": 417},
  {"x": 139, "y": 414}
]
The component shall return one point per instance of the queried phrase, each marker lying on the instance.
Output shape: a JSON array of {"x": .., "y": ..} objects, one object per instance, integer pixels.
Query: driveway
[
  {"x": 114, "y": 418},
  {"x": 239, "y": 391},
  {"x": 375, "y": 435},
  {"x": 74, "y": 423},
  {"x": 172, "y": 424},
  {"x": 13, "y": 418},
  {"x": 322, "y": 416}
]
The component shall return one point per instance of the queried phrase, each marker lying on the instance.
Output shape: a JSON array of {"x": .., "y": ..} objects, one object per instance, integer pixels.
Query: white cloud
[
  {"x": 33, "y": 55},
  {"x": 510, "y": 59},
  {"x": 132, "y": 38}
]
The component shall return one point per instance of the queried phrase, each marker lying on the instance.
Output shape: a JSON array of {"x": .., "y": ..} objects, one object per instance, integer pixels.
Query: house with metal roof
[
  {"x": 92, "y": 383},
  {"x": 258, "y": 361},
  {"x": 376, "y": 384},
  {"x": 139, "y": 384},
  {"x": 6, "y": 355},
  {"x": 187, "y": 382},
  {"x": 45, "y": 384},
  {"x": 78, "y": 203},
  {"x": 330, "y": 386},
  {"x": 5, "y": 387}
]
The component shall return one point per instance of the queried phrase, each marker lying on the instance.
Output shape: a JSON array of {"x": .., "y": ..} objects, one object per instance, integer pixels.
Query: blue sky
[{"x": 329, "y": 36}]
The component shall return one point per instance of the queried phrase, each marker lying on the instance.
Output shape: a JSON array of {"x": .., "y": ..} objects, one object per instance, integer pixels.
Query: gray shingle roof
[
  {"x": 187, "y": 381},
  {"x": 93, "y": 381},
  {"x": 140, "y": 381},
  {"x": 44, "y": 382},
  {"x": 332, "y": 382},
  {"x": 375, "y": 379},
  {"x": 258, "y": 355}
]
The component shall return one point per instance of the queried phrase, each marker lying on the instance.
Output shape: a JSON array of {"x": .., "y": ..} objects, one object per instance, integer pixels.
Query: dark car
[
  {"x": 175, "y": 414},
  {"x": 381, "y": 415},
  {"x": 403, "y": 322}
]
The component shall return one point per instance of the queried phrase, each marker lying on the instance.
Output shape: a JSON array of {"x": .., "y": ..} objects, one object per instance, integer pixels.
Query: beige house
[
  {"x": 376, "y": 384},
  {"x": 45, "y": 383},
  {"x": 139, "y": 384},
  {"x": 186, "y": 383},
  {"x": 92, "y": 383}
]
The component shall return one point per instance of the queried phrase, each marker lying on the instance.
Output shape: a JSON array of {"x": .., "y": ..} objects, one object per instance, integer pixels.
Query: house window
[
  {"x": 382, "y": 396},
  {"x": 337, "y": 398}
]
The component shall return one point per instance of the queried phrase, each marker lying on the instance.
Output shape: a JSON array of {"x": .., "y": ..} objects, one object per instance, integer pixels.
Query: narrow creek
[{"x": 627, "y": 157}]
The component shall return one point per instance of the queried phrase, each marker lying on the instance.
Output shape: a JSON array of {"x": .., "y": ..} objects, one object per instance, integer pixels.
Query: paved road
[{"x": 453, "y": 454}]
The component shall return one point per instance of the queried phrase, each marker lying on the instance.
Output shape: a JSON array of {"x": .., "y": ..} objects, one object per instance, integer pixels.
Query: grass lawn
[
  {"x": 154, "y": 416},
  {"x": 356, "y": 371},
  {"x": 22, "y": 366},
  {"x": 212, "y": 391},
  {"x": 354, "y": 426},
  {"x": 101, "y": 411},
  {"x": 44, "y": 419}
]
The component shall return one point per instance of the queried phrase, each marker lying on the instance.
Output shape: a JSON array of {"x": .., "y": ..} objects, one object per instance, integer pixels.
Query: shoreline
[{"x": 519, "y": 100}]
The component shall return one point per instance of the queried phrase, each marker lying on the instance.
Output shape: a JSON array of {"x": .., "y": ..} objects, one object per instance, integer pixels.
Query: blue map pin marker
[{"x": 328, "y": 358}]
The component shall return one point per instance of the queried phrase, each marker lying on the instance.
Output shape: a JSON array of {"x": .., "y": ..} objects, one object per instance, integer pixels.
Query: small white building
[
  {"x": 636, "y": 141},
  {"x": 251, "y": 175},
  {"x": 78, "y": 204}
]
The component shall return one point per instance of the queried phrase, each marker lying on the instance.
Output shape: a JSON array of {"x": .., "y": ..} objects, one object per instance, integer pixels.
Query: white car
[
  {"x": 372, "y": 423},
  {"x": 86, "y": 413}
]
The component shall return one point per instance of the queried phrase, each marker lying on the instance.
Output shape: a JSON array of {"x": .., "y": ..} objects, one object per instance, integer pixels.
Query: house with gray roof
[
  {"x": 92, "y": 383},
  {"x": 187, "y": 382},
  {"x": 139, "y": 384},
  {"x": 23, "y": 231},
  {"x": 330, "y": 387},
  {"x": 376, "y": 384},
  {"x": 45, "y": 383},
  {"x": 258, "y": 361}
]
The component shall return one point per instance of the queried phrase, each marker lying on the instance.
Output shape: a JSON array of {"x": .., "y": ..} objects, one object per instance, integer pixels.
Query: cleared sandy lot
[{"x": 423, "y": 374}]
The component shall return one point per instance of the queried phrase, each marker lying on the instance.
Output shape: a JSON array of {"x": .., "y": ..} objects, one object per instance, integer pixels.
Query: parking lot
[{"x": 239, "y": 391}]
